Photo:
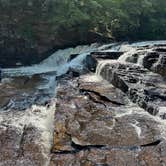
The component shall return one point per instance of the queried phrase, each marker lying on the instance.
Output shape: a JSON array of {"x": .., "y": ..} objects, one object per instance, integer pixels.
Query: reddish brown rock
[{"x": 90, "y": 130}]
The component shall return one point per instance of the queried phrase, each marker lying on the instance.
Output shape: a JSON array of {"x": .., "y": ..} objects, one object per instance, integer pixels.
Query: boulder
[
  {"x": 72, "y": 56},
  {"x": 90, "y": 63}
]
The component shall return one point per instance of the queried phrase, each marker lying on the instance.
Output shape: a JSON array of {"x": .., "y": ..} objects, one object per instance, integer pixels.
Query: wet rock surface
[
  {"x": 140, "y": 81},
  {"x": 115, "y": 117},
  {"x": 20, "y": 93},
  {"x": 152, "y": 58},
  {"x": 96, "y": 124},
  {"x": 115, "y": 156},
  {"x": 25, "y": 137},
  {"x": 146, "y": 89}
]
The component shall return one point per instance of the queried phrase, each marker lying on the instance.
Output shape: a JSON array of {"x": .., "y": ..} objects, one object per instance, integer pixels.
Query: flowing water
[
  {"x": 57, "y": 62},
  {"x": 21, "y": 87},
  {"x": 27, "y": 96},
  {"x": 129, "y": 50},
  {"x": 25, "y": 91}
]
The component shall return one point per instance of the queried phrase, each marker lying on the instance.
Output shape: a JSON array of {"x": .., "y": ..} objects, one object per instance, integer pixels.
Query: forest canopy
[{"x": 116, "y": 19}]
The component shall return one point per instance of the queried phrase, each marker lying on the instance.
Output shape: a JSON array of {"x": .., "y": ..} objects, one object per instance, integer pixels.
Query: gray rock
[{"x": 142, "y": 87}]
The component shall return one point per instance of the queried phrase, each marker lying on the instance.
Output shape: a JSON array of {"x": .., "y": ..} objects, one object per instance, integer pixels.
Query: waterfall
[
  {"x": 57, "y": 62},
  {"x": 124, "y": 47},
  {"x": 134, "y": 74},
  {"x": 129, "y": 50},
  {"x": 101, "y": 64},
  {"x": 148, "y": 43},
  {"x": 127, "y": 54}
]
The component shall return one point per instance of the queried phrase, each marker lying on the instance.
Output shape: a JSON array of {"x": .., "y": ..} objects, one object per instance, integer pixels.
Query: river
[{"x": 28, "y": 96}]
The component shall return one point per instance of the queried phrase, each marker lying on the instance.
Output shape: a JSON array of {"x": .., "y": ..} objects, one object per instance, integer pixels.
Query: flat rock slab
[
  {"x": 105, "y": 91},
  {"x": 95, "y": 130}
]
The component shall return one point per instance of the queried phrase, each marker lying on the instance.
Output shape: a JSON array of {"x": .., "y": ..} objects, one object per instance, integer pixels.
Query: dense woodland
[{"x": 118, "y": 19}]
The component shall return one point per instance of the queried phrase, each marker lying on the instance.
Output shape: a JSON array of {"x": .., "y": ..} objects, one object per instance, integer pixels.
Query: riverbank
[{"x": 109, "y": 112}]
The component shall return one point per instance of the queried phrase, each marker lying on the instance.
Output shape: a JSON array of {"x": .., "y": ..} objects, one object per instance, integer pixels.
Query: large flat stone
[{"x": 97, "y": 132}]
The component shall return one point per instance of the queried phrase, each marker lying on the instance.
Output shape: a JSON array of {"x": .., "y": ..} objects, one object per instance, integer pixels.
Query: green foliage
[{"x": 119, "y": 19}]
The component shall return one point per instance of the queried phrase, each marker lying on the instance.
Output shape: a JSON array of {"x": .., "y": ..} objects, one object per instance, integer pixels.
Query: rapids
[
  {"x": 28, "y": 99},
  {"x": 31, "y": 81},
  {"x": 36, "y": 84}
]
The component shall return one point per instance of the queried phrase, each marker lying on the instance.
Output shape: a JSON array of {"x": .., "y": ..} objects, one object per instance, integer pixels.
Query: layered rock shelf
[
  {"x": 116, "y": 116},
  {"x": 96, "y": 124},
  {"x": 110, "y": 112}
]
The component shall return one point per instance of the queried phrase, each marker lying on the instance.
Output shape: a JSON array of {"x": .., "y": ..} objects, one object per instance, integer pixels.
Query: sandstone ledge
[{"x": 95, "y": 124}]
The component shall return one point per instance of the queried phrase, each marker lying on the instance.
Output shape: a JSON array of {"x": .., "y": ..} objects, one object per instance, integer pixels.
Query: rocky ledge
[
  {"x": 96, "y": 124},
  {"x": 116, "y": 116}
]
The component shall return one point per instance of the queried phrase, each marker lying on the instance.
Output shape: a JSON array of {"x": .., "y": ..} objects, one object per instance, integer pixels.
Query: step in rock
[
  {"x": 145, "y": 88},
  {"x": 88, "y": 132},
  {"x": 107, "y": 54}
]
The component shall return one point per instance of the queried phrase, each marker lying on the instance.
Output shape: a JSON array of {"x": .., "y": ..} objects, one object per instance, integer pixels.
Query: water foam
[
  {"x": 149, "y": 43},
  {"x": 56, "y": 62},
  {"x": 40, "y": 118},
  {"x": 137, "y": 128}
]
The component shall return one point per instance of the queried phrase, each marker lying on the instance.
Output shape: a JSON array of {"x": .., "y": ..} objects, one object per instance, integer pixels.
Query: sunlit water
[
  {"x": 57, "y": 62},
  {"x": 24, "y": 86},
  {"x": 23, "y": 82},
  {"x": 30, "y": 89}
]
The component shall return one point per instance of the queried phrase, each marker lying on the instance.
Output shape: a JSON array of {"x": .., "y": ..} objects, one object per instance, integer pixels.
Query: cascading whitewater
[
  {"x": 129, "y": 50},
  {"x": 42, "y": 76},
  {"x": 57, "y": 62},
  {"x": 32, "y": 113},
  {"x": 38, "y": 120}
]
